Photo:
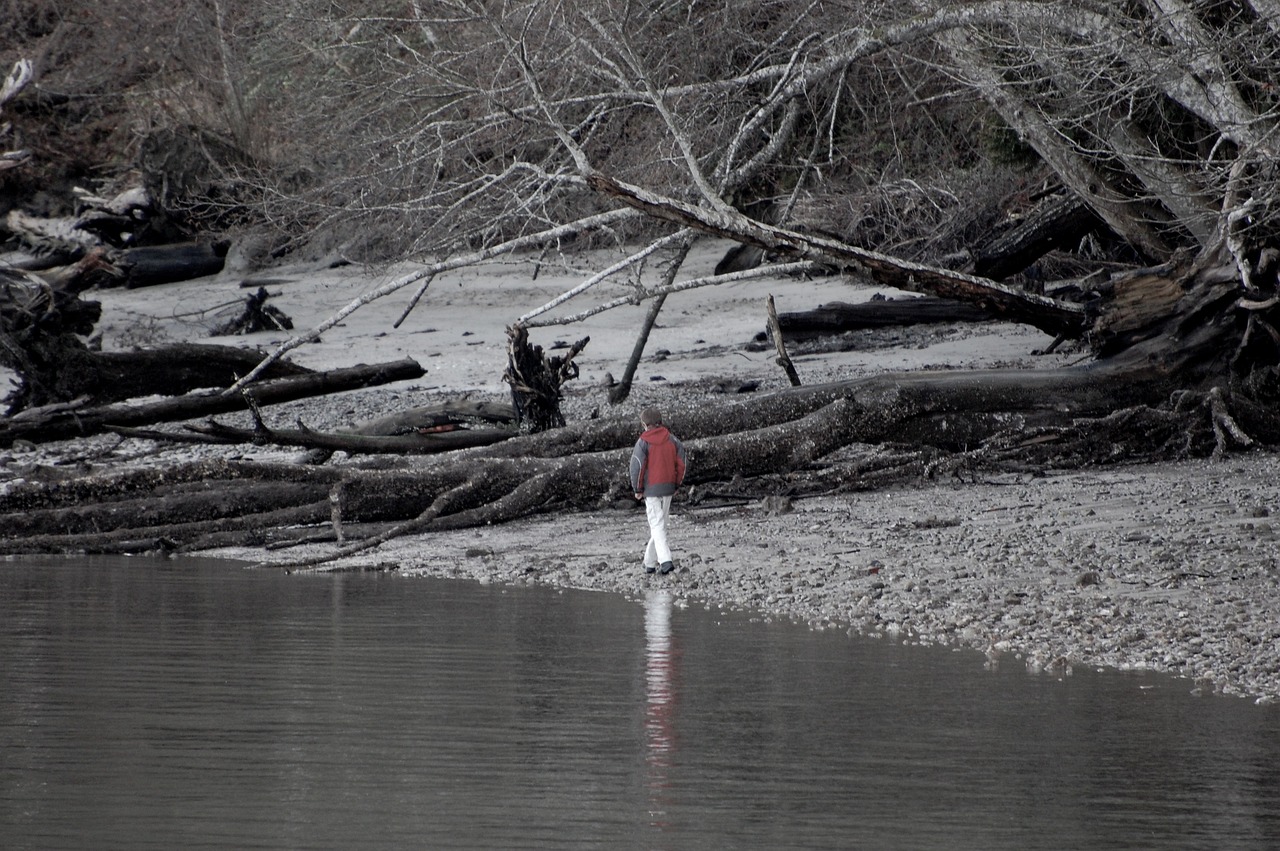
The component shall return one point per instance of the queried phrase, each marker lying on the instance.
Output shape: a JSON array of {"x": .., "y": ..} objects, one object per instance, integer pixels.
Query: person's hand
[{"x": 639, "y": 496}]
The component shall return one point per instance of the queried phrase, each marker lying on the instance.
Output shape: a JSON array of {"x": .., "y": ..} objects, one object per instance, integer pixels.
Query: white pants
[{"x": 657, "y": 508}]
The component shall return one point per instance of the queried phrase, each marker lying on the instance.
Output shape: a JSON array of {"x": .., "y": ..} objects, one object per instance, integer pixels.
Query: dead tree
[
  {"x": 1060, "y": 221},
  {"x": 838, "y": 317}
]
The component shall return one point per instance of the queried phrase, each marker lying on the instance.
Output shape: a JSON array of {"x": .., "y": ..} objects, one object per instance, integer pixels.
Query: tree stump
[
  {"x": 535, "y": 380},
  {"x": 257, "y": 316}
]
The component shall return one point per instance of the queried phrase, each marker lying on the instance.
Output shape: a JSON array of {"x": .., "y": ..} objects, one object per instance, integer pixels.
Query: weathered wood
[
  {"x": 1010, "y": 303},
  {"x": 166, "y": 264},
  {"x": 22, "y": 73},
  {"x": 256, "y": 316},
  {"x": 426, "y": 419},
  {"x": 1058, "y": 223},
  {"x": 783, "y": 359},
  {"x": 536, "y": 379},
  {"x": 953, "y": 410},
  {"x": 837, "y": 317},
  {"x": 428, "y": 443},
  {"x": 43, "y": 323},
  {"x": 61, "y": 424},
  {"x": 173, "y": 370}
]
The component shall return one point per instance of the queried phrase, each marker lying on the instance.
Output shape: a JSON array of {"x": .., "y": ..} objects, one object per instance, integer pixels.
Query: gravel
[{"x": 1168, "y": 567}]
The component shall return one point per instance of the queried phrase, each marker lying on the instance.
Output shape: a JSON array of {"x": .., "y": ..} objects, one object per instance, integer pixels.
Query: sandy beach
[{"x": 1170, "y": 567}]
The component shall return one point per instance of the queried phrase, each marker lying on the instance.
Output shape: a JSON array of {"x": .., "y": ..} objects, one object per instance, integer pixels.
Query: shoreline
[
  {"x": 1050, "y": 573},
  {"x": 1171, "y": 567}
]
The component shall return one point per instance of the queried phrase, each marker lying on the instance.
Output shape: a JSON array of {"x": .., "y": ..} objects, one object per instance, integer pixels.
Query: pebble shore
[
  {"x": 1167, "y": 567},
  {"x": 1170, "y": 567}
]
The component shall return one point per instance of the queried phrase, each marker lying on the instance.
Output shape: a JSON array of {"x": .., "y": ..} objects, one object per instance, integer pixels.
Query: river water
[{"x": 196, "y": 704}]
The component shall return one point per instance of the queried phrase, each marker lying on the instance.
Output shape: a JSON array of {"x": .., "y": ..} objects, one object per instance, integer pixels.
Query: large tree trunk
[
  {"x": 106, "y": 377},
  {"x": 581, "y": 466},
  {"x": 1013, "y": 304},
  {"x": 1060, "y": 222},
  {"x": 43, "y": 326},
  {"x": 59, "y": 422},
  {"x": 837, "y": 317}
]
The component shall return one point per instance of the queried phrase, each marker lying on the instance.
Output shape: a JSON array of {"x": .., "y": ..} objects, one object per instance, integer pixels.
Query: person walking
[{"x": 657, "y": 469}]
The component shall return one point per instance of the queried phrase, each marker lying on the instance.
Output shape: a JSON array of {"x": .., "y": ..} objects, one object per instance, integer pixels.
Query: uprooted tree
[{"x": 1155, "y": 122}]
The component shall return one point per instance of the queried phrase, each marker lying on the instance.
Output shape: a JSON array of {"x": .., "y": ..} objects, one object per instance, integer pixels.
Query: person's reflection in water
[{"x": 660, "y": 659}]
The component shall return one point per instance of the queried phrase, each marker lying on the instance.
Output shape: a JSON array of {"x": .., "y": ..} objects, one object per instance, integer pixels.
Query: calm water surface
[{"x": 189, "y": 704}]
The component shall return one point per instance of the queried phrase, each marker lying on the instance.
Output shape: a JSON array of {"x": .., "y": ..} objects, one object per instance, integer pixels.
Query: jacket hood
[{"x": 657, "y": 434}]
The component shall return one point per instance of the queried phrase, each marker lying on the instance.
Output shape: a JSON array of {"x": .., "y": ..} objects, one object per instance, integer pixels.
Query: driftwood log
[
  {"x": 836, "y": 317},
  {"x": 801, "y": 440},
  {"x": 416, "y": 431},
  {"x": 174, "y": 370},
  {"x": 166, "y": 264},
  {"x": 1060, "y": 221},
  {"x": 44, "y": 326},
  {"x": 62, "y": 421},
  {"x": 256, "y": 316}
]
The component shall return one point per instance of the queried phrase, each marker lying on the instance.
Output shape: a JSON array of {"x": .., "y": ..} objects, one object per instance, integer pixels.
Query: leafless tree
[{"x": 462, "y": 129}]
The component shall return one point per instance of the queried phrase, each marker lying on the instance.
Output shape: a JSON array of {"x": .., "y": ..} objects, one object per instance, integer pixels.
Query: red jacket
[{"x": 657, "y": 463}]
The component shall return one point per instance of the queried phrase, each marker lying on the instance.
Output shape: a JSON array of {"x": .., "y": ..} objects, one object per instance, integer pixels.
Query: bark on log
[
  {"x": 108, "y": 377},
  {"x": 775, "y": 331},
  {"x": 40, "y": 425},
  {"x": 836, "y": 317},
  {"x": 257, "y": 316},
  {"x": 1061, "y": 222},
  {"x": 167, "y": 264},
  {"x": 43, "y": 322},
  {"x": 354, "y": 444},
  {"x": 535, "y": 379}
]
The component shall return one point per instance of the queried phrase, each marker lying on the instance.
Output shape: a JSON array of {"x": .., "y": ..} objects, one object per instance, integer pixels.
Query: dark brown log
[
  {"x": 1058, "y": 223},
  {"x": 43, "y": 322},
  {"x": 107, "y": 377},
  {"x": 836, "y": 317},
  {"x": 39, "y": 426},
  {"x": 166, "y": 264}
]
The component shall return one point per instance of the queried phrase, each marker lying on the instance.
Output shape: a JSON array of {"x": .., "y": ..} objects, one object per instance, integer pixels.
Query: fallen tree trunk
[
  {"x": 109, "y": 377},
  {"x": 836, "y": 317},
  {"x": 59, "y": 422},
  {"x": 786, "y": 433},
  {"x": 1010, "y": 303},
  {"x": 354, "y": 444},
  {"x": 43, "y": 326},
  {"x": 166, "y": 264},
  {"x": 1060, "y": 222},
  {"x": 428, "y": 430}
]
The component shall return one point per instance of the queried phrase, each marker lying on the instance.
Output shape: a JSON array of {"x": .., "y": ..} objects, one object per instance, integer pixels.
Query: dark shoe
[
  {"x": 650, "y": 568},
  {"x": 667, "y": 567}
]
